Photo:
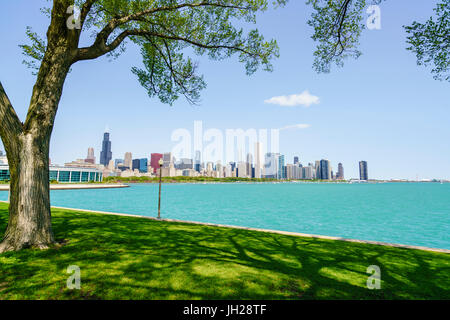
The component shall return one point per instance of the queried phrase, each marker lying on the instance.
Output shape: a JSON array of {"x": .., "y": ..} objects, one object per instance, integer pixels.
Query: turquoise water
[{"x": 404, "y": 213}]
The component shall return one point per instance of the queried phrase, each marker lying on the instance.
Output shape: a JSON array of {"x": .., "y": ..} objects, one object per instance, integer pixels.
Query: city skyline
[
  {"x": 275, "y": 165},
  {"x": 406, "y": 107}
]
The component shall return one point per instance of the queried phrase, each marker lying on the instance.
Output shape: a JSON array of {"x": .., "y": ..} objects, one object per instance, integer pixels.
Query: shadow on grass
[{"x": 130, "y": 258}]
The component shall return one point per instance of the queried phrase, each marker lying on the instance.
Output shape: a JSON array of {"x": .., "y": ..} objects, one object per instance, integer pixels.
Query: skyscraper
[
  {"x": 143, "y": 162},
  {"x": 90, "y": 156},
  {"x": 117, "y": 162},
  {"x": 154, "y": 161},
  {"x": 242, "y": 169},
  {"x": 317, "y": 168},
  {"x": 258, "y": 156},
  {"x": 105, "y": 154},
  {"x": 271, "y": 165},
  {"x": 296, "y": 161},
  {"x": 363, "y": 172},
  {"x": 167, "y": 158},
  {"x": 281, "y": 167},
  {"x": 249, "y": 164},
  {"x": 128, "y": 160},
  {"x": 325, "y": 169},
  {"x": 136, "y": 164},
  {"x": 198, "y": 161},
  {"x": 340, "y": 172}
]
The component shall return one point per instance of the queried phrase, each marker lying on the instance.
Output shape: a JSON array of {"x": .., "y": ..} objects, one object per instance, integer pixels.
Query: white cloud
[
  {"x": 296, "y": 126},
  {"x": 304, "y": 99}
]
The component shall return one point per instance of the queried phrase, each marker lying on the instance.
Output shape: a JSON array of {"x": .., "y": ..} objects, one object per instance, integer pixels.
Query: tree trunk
[
  {"x": 27, "y": 144},
  {"x": 29, "y": 223}
]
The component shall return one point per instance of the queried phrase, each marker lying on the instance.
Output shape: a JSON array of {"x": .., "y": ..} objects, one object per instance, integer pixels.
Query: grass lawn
[{"x": 132, "y": 258}]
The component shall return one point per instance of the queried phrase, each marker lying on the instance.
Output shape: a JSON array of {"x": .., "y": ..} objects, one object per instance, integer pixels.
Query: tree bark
[
  {"x": 29, "y": 222},
  {"x": 27, "y": 144}
]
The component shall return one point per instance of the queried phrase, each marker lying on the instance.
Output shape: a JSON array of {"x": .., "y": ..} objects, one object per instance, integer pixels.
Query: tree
[
  {"x": 338, "y": 25},
  {"x": 162, "y": 29},
  {"x": 430, "y": 41}
]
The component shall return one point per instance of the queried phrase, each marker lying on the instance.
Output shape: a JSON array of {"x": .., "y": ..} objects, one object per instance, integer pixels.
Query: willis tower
[{"x": 106, "y": 154}]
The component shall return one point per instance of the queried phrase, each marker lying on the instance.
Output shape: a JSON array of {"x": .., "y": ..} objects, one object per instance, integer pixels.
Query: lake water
[{"x": 404, "y": 213}]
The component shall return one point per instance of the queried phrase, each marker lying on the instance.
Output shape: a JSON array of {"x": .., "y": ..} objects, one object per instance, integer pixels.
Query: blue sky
[{"x": 381, "y": 108}]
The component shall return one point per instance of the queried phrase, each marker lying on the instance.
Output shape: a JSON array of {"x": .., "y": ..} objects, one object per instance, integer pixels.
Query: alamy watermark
[
  {"x": 74, "y": 281},
  {"x": 74, "y": 20},
  {"x": 373, "y": 22},
  {"x": 224, "y": 145},
  {"x": 374, "y": 281}
]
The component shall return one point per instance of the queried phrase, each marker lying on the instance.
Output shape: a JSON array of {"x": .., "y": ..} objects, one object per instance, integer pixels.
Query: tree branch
[
  {"x": 10, "y": 125},
  {"x": 85, "y": 10},
  {"x": 100, "y": 46},
  {"x": 95, "y": 52}
]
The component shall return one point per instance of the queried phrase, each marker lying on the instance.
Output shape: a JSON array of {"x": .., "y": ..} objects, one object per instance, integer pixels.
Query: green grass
[{"x": 132, "y": 258}]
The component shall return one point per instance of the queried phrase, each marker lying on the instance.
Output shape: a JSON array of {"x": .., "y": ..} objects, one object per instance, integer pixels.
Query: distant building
[
  {"x": 325, "y": 169},
  {"x": 281, "y": 167},
  {"x": 242, "y": 169},
  {"x": 167, "y": 159},
  {"x": 249, "y": 165},
  {"x": 271, "y": 165},
  {"x": 136, "y": 163},
  {"x": 117, "y": 162},
  {"x": 111, "y": 165},
  {"x": 143, "y": 165},
  {"x": 340, "y": 172},
  {"x": 258, "y": 160},
  {"x": 292, "y": 172},
  {"x": 105, "y": 154},
  {"x": 232, "y": 166},
  {"x": 90, "y": 156},
  {"x": 363, "y": 172},
  {"x": 122, "y": 167},
  {"x": 317, "y": 170},
  {"x": 219, "y": 170},
  {"x": 63, "y": 174},
  {"x": 128, "y": 160},
  {"x": 80, "y": 163},
  {"x": 154, "y": 161},
  {"x": 308, "y": 172},
  {"x": 140, "y": 165},
  {"x": 189, "y": 173},
  {"x": 198, "y": 161},
  {"x": 296, "y": 161},
  {"x": 184, "y": 164}
]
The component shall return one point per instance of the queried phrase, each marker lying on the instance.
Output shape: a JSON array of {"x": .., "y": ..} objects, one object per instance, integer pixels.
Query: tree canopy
[
  {"x": 338, "y": 25},
  {"x": 163, "y": 29},
  {"x": 430, "y": 41}
]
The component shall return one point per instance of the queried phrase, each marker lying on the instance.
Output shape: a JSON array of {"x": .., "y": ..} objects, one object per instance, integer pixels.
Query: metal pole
[{"x": 159, "y": 200}]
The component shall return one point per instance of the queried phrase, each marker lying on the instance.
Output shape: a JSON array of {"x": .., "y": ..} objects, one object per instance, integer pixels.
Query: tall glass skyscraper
[
  {"x": 143, "y": 162},
  {"x": 105, "y": 154},
  {"x": 340, "y": 173},
  {"x": 363, "y": 172},
  {"x": 325, "y": 169},
  {"x": 281, "y": 173}
]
